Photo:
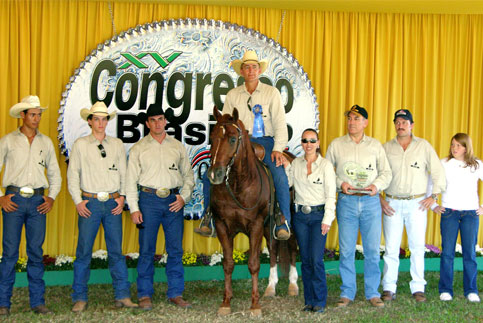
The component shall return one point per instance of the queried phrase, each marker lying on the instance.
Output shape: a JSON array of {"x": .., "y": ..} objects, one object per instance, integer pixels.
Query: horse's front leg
[
  {"x": 228, "y": 266},
  {"x": 270, "y": 291},
  {"x": 256, "y": 236},
  {"x": 293, "y": 288}
]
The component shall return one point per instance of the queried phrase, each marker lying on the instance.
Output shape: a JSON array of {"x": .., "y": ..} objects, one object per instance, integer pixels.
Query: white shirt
[
  {"x": 90, "y": 172},
  {"x": 273, "y": 111},
  {"x": 316, "y": 188},
  {"x": 461, "y": 185},
  {"x": 412, "y": 167},
  {"x": 158, "y": 165},
  {"x": 368, "y": 153},
  {"x": 25, "y": 163}
]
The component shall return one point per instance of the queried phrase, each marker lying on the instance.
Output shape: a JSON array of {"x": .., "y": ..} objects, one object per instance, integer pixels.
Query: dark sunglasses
[
  {"x": 140, "y": 226},
  {"x": 312, "y": 140},
  {"x": 103, "y": 151}
]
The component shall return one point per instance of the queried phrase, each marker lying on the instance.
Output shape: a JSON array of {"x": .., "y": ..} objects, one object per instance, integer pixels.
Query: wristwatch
[{"x": 434, "y": 197}]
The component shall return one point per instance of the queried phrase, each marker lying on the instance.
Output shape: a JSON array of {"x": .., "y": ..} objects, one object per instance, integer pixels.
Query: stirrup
[
  {"x": 275, "y": 231},
  {"x": 211, "y": 226}
]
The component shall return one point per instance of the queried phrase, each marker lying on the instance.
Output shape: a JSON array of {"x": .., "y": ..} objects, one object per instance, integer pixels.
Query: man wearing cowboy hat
[
  {"x": 159, "y": 182},
  {"x": 26, "y": 154},
  {"x": 96, "y": 175},
  {"x": 262, "y": 112}
]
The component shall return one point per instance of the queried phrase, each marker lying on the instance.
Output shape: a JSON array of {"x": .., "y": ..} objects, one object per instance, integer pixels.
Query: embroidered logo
[
  {"x": 369, "y": 167},
  {"x": 173, "y": 167},
  {"x": 318, "y": 181},
  {"x": 415, "y": 165},
  {"x": 113, "y": 167}
]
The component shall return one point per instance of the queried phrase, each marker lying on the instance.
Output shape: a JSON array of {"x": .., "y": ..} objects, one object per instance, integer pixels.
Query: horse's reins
[{"x": 228, "y": 168}]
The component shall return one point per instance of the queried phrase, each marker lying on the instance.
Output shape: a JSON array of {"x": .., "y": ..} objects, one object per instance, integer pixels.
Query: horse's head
[{"x": 226, "y": 139}]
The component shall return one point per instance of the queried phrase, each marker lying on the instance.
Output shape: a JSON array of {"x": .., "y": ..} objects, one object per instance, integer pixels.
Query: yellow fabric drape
[{"x": 431, "y": 64}]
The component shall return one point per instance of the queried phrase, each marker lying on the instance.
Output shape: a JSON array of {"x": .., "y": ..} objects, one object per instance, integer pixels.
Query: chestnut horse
[{"x": 241, "y": 204}]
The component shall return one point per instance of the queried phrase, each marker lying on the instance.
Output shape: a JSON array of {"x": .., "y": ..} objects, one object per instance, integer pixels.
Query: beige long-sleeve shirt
[
  {"x": 88, "y": 171},
  {"x": 156, "y": 165},
  {"x": 25, "y": 163},
  {"x": 411, "y": 168},
  {"x": 273, "y": 111},
  {"x": 316, "y": 188},
  {"x": 368, "y": 154}
]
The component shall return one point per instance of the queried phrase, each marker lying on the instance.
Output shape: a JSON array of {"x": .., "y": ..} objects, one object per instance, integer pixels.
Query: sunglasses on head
[
  {"x": 103, "y": 151},
  {"x": 312, "y": 140}
]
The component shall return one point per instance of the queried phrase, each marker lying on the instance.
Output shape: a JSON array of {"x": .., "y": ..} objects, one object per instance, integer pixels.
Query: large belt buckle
[
  {"x": 163, "y": 192},
  {"x": 306, "y": 209},
  {"x": 102, "y": 196},
  {"x": 26, "y": 192}
]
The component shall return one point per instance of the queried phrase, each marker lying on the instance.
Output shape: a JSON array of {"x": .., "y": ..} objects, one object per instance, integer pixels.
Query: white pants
[{"x": 407, "y": 214}]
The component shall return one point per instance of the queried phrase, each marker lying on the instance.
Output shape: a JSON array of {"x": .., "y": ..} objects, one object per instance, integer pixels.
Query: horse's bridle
[{"x": 230, "y": 163}]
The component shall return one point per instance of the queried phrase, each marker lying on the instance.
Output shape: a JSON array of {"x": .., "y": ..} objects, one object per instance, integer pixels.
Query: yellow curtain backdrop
[{"x": 429, "y": 63}]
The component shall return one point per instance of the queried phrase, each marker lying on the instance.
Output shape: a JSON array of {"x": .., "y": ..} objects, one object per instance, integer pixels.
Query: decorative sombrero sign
[{"x": 182, "y": 65}]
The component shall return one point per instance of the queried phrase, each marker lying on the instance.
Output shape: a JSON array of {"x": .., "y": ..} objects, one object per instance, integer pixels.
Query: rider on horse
[{"x": 262, "y": 112}]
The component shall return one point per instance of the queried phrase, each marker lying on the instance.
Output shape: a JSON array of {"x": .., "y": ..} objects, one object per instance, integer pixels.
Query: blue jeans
[
  {"x": 88, "y": 228},
  {"x": 467, "y": 223},
  {"x": 280, "y": 179},
  {"x": 155, "y": 211},
  {"x": 362, "y": 213},
  {"x": 35, "y": 235},
  {"x": 307, "y": 228}
]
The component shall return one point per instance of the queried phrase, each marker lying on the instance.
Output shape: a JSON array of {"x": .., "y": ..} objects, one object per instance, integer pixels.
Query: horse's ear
[
  {"x": 216, "y": 113},
  {"x": 235, "y": 114}
]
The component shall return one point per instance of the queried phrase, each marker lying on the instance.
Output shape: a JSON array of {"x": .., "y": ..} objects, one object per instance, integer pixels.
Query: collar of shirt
[
  {"x": 20, "y": 133},
  {"x": 349, "y": 139},
  {"x": 93, "y": 139},
  {"x": 257, "y": 89}
]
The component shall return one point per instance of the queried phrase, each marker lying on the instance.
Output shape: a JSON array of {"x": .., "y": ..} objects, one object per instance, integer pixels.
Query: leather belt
[
  {"x": 408, "y": 198},
  {"x": 101, "y": 196},
  {"x": 26, "y": 191},
  {"x": 307, "y": 209},
  {"x": 159, "y": 192},
  {"x": 358, "y": 194}
]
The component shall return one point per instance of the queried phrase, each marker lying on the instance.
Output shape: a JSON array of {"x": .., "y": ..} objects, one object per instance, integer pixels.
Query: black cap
[
  {"x": 403, "y": 113},
  {"x": 153, "y": 110},
  {"x": 359, "y": 110}
]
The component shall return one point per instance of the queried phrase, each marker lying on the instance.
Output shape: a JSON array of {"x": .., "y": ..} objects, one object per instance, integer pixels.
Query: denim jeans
[
  {"x": 466, "y": 222},
  {"x": 409, "y": 214},
  {"x": 362, "y": 213},
  {"x": 155, "y": 211},
  {"x": 280, "y": 180},
  {"x": 307, "y": 228},
  {"x": 88, "y": 228},
  {"x": 35, "y": 234}
]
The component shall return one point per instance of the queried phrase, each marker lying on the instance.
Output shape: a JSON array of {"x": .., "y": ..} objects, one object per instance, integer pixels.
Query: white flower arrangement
[
  {"x": 266, "y": 252},
  {"x": 216, "y": 258},
  {"x": 100, "y": 254},
  {"x": 359, "y": 248},
  {"x": 63, "y": 259},
  {"x": 164, "y": 259},
  {"x": 458, "y": 248},
  {"x": 133, "y": 255}
]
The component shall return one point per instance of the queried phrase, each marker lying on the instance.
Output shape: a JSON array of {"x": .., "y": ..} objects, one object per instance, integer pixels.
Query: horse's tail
[{"x": 283, "y": 257}]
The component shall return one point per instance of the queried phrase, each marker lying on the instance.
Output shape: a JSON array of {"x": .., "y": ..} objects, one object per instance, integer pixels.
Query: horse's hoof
[
  {"x": 256, "y": 311},
  {"x": 269, "y": 292},
  {"x": 224, "y": 311},
  {"x": 293, "y": 290}
]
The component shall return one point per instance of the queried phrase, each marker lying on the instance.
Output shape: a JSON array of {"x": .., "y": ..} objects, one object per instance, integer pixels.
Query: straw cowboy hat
[
  {"x": 99, "y": 109},
  {"x": 249, "y": 56},
  {"x": 29, "y": 102}
]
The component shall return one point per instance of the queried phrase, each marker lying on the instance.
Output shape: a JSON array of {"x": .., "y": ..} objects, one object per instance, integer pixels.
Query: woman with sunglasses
[
  {"x": 313, "y": 178},
  {"x": 460, "y": 211}
]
